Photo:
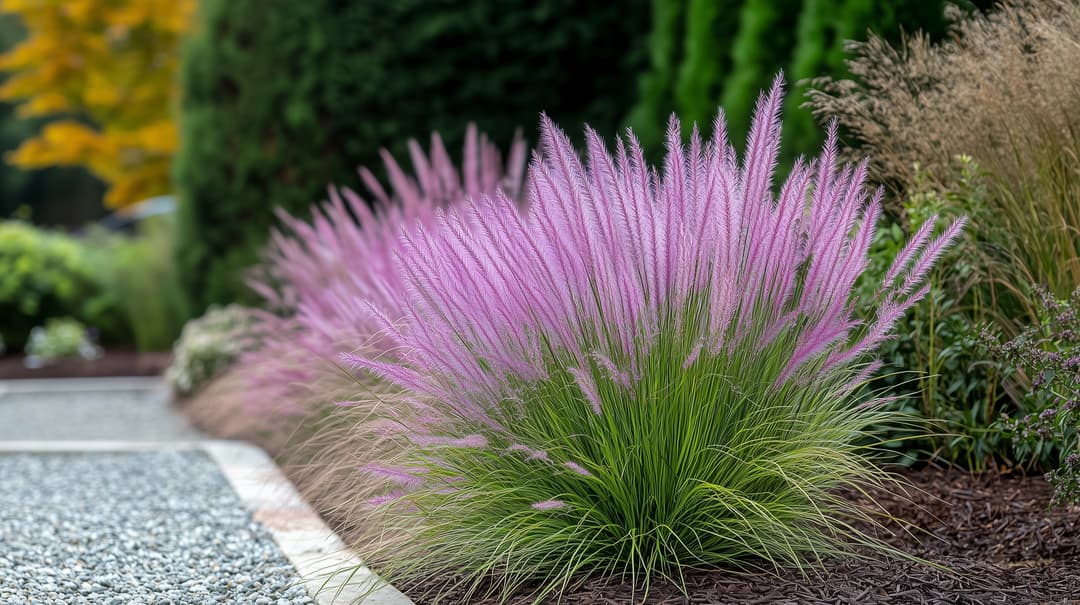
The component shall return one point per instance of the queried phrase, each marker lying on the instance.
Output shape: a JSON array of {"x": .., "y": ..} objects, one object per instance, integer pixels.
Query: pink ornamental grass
[
  {"x": 322, "y": 278},
  {"x": 612, "y": 247},
  {"x": 316, "y": 274},
  {"x": 328, "y": 269},
  {"x": 679, "y": 344}
]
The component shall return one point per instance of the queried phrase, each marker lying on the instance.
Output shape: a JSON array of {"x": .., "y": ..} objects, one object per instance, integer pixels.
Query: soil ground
[{"x": 112, "y": 363}]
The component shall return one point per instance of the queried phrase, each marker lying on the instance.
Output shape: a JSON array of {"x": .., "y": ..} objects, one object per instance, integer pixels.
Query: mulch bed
[
  {"x": 995, "y": 534},
  {"x": 112, "y": 363}
]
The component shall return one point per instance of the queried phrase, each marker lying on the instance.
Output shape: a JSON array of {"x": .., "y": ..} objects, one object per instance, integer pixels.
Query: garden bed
[
  {"x": 995, "y": 533},
  {"x": 112, "y": 363}
]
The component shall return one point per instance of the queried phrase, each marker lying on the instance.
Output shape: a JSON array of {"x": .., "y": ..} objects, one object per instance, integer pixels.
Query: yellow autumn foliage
[{"x": 107, "y": 69}]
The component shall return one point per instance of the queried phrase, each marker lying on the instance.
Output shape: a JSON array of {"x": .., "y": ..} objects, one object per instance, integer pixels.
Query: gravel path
[{"x": 132, "y": 528}]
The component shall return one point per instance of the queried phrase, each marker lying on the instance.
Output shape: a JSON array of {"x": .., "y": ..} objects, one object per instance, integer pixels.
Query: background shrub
[
  {"x": 979, "y": 125},
  {"x": 59, "y": 338},
  {"x": 1050, "y": 352},
  {"x": 281, "y": 98},
  {"x": 140, "y": 272},
  {"x": 934, "y": 369},
  {"x": 209, "y": 345},
  {"x": 124, "y": 288},
  {"x": 705, "y": 54},
  {"x": 46, "y": 274}
]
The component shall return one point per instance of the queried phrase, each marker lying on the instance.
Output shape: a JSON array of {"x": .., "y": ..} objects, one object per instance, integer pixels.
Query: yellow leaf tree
[{"x": 106, "y": 69}]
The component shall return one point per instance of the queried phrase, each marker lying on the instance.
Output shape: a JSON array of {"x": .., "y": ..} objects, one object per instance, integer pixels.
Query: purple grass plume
[
  {"x": 332, "y": 282},
  {"x": 612, "y": 250}
]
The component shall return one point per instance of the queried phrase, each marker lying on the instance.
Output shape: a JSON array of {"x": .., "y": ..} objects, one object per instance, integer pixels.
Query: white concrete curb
[{"x": 332, "y": 574}]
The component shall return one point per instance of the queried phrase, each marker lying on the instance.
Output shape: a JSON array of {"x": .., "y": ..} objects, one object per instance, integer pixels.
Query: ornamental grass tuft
[
  {"x": 321, "y": 276},
  {"x": 648, "y": 371}
]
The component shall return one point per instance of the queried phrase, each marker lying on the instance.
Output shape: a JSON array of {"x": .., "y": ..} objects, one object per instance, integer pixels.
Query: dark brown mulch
[
  {"x": 112, "y": 363},
  {"x": 994, "y": 534}
]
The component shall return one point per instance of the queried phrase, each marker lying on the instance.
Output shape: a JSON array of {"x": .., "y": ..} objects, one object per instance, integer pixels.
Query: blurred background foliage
[
  {"x": 102, "y": 73},
  {"x": 281, "y": 98}
]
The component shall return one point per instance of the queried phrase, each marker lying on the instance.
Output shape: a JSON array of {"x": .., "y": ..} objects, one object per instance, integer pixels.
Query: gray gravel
[
  {"x": 132, "y": 528},
  {"x": 99, "y": 408}
]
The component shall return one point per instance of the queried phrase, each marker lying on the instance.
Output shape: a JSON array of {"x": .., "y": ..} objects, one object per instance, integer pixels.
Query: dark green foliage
[
  {"x": 140, "y": 271},
  {"x": 658, "y": 84},
  {"x": 936, "y": 369},
  {"x": 710, "y": 28},
  {"x": 766, "y": 37},
  {"x": 48, "y": 275},
  {"x": 723, "y": 52},
  {"x": 282, "y": 97}
]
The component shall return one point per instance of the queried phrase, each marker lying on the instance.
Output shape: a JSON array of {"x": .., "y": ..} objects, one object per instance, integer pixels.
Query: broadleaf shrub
[
  {"x": 1050, "y": 353},
  {"x": 209, "y": 345},
  {"x": 59, "y": 338},
  {"x": 934, "y": 368},
  {"x": 140, "y": 274},
  {"x": 44, "y": 275},
  {"x": 648, "y": 370}
]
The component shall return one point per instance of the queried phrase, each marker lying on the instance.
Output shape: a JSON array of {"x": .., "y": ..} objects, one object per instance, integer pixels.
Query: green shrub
[
  {"x": 45, "y": 274},
  {"x": 60, "y": 338},
  {"x": 142, "y": 275},
  {"x": 125, "y": 288},
  {"x": 208, "y": 345},
  {"x": 937, "y": 369},
  {"x": 1050, "y": 352},
  {"x": 935, "y": 372},
  {"x": 281, "y": 98}
]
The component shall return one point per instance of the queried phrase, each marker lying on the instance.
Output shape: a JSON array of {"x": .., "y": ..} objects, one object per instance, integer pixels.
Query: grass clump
[{"x": 646, "y": 371}]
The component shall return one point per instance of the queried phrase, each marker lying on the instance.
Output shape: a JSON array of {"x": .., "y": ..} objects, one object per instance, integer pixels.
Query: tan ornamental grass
[{"x": 1003, "y": 90}]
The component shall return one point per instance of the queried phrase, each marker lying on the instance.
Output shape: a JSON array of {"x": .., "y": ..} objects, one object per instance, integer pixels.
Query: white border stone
[{"x": 331, "y": 572}]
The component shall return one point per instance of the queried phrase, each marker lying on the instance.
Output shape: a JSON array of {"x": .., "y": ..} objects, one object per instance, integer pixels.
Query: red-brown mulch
[
  {"x": 995, "y": 535},
  {"x": 112, "y": 363}
]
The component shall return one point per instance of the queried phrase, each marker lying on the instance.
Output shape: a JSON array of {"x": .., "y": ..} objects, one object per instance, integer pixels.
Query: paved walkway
[
  {"x": 116, "y": 409},
  {"x": 109, "y": 496}
]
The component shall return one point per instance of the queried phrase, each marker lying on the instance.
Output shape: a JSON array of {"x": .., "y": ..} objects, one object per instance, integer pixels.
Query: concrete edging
[{"x": 332, "y": 574}]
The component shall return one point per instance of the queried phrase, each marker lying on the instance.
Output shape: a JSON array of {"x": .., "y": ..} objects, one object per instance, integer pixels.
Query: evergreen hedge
[
  {"x": 282, "y": 97},
  {"x": 707, "y": 53}
]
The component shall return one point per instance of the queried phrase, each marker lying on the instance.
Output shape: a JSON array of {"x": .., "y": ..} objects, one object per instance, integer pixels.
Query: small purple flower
[
  {"x": 549, "y": 505},
  {"x": 468, "y": 441},
  {"x": 577, "y": 468},
  {"x": 530, "y": 452},
  {"x": 385, "y": 498},
  {"x": 404, "y": 477}
]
